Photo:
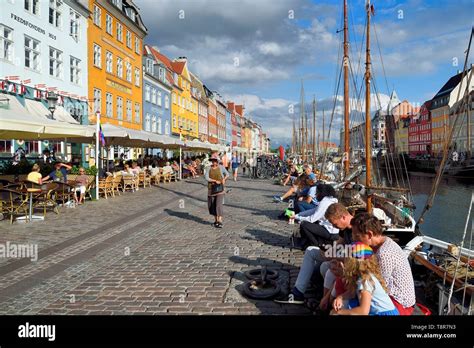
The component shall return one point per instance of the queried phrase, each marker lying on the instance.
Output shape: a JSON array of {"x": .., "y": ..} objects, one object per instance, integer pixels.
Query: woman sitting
[{"x": 35, "y": 175}]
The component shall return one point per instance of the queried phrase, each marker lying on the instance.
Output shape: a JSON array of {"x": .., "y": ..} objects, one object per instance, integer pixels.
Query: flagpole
[{"x": 97, "y": 136}]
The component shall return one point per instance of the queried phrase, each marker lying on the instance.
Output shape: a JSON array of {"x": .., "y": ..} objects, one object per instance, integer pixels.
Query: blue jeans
[{"x": 302, "y": 206}]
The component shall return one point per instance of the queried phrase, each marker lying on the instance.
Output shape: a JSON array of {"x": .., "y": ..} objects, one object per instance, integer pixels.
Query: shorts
[{"x": 81, "y": 188}]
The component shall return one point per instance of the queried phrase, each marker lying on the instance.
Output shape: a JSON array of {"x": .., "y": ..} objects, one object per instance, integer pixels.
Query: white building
[{"x": 43, "y": 47}]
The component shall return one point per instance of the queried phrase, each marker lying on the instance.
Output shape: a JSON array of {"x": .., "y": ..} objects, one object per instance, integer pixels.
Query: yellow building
[
  {"x": 115, "y": 38},
  {"x": 184, "y": 108}
]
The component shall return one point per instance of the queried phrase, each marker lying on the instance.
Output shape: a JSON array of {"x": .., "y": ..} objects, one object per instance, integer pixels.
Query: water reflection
[{"x": 447, "y": 217}]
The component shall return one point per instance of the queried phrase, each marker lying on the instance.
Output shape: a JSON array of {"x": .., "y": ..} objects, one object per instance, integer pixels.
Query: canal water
[{"x": 447, "y": 217}]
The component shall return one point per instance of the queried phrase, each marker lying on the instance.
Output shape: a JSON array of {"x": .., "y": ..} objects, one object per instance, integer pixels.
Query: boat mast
[
  {"x": 346, "y": 93},
  {"x": 302, "y": 123},
  {"x": 368, "y": 137},
  {"x": 314, "y": 131},
  {"x": 324, "y": 138}
]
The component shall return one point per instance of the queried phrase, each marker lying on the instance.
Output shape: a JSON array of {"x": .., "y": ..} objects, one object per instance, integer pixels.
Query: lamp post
[{"x": 52, "y": 99}]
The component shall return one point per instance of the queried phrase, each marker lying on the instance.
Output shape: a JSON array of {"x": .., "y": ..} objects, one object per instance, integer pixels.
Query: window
[
  {"x": 153, "y": 95},
  {"x": 159, "y": 98},
  {"x": 147, "y": 93},
  {"x": 55, "y": 62},
  {"x": 117, "y": 3},
  {"x": 129, "y": 72},
  {"x": 5, "y": 146},
  {"x": 159, "y": 125},
  {"x": 32, "y": 53},
  {"x": 137, "y": 77},
  {"x": 109, "y": 105},
  {"x": 97, "y": 14},
  {"x": 153, "y": 124},
  {"x": 137, "y": 112},
  {"x": 174, "y": 98},
  {"x": 174, "y": 121},
  {"x": 119, "y": 32},
  {"x": 161, "y": 74},
  {"x": 148, "y": 123},
  {"x": 97, "y": 56},
  {"x": 119, "y": 108},
  {"x": 32, "y": 6},
  {"x": 129, "y": 111},
  {"x": 6, "y": 43},
  {"x": 137, "y": 45},
  {"x": 167, "y": 102},
  {"x": 179, "y": 100},
  {"x": 129, "y": 39},
  {"x": 108, "y": 23},
  {"x": 119, "y": 67},
  {"x": 74, "y": 24},
  {"x": 149, "y": 66},
  {"x": 55, "y": 13},
  {"x": 75, "y": 70},
  {"x": 97, "y": 100},
  {"x": 167, "y": 127},
  {"x": 109, "y": 62}
]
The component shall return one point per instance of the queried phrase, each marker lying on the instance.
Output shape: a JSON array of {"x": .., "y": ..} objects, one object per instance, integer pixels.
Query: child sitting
[{"x": 366, "y": 292}]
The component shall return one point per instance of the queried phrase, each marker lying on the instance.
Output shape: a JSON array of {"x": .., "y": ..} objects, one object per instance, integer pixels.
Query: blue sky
[{"x": 277, "y": 43}]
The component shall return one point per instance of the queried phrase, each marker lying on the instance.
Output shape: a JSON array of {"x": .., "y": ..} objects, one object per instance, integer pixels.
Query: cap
[{"x": 361, "y": 251}]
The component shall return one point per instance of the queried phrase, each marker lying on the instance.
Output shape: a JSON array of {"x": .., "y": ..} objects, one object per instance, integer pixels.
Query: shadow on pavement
[{"x": 187, "y": 216}]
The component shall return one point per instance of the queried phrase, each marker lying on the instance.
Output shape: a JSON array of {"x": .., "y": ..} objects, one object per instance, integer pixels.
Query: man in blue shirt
[{"x": 59, "y": 173}]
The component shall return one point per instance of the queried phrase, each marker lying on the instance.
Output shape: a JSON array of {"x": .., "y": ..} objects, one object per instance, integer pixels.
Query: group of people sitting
[
  {"x": 59, "y": 174},
  {"x": 363, "y": 272}
]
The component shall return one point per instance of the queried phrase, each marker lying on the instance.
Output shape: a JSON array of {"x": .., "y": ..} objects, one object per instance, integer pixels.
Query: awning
[
  {"x": 18, "y": 122},
  {"x": 198, "y": 145},
  {"x": 61, "y": 114}
]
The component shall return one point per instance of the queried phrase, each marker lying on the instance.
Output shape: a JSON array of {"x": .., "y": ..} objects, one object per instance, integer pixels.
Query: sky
[{"x": 258, "y": 52}]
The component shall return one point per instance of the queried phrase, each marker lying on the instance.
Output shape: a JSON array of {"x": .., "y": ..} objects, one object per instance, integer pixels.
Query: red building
[
  {"x": 419, "y": 132},
  {"x": 233, "y": 119}
]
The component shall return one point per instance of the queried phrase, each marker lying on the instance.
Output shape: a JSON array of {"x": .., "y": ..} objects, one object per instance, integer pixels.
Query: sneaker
[
  {"x": 277, "y": 199},
  {"x": 218, "y": 225}
]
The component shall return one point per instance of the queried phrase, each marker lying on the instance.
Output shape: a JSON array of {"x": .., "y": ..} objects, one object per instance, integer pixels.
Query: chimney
[{"x": 181, "y": 59}]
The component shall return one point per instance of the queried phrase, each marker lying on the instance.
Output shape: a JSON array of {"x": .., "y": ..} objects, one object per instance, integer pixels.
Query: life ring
[{"x": 20, "y": 142}]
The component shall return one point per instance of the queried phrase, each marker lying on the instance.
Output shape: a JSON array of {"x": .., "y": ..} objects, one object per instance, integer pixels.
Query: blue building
[{"x": 157, "y": 86}]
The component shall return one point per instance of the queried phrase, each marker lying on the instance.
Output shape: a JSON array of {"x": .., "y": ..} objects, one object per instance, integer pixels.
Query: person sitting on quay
[
  {"x": 154, "y": 169},
  {"x": 394, "y": 266},
  {"x": 59, "y": 173},
  {"x": 316, "y": 259},
  {"x": 175, "y": 167},
  {"x": 315, "y": 229},
  {"x": 366, "y": 291},
  {"x": 81, "y": 184},
  {"x": 35, "y": 175},
  {"x": 307, "y": 201},
  {"x": 308, "y": 171},
  {"x": 291, "y": 175}
]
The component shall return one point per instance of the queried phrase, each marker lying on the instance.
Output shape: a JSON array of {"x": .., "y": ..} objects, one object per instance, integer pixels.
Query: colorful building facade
[
  {"x": 419, "y": 133},
  {"x": 44, "y": 49},
  {"x": 156, "y": 95}
]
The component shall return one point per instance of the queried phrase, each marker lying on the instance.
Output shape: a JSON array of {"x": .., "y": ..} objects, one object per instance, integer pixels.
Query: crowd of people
[{"x": 363, "y": 272}]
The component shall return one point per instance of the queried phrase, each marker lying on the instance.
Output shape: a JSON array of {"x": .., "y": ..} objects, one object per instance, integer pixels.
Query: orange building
[{"x": 115, "y": 38}]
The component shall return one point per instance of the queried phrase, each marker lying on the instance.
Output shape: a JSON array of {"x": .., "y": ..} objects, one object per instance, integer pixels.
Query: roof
[
  {"x": 196, "y": 83},
  {"x": 160, "y": 57},
  {"x": 178, "y": 66},
  {"x": 449, "y": 86}
]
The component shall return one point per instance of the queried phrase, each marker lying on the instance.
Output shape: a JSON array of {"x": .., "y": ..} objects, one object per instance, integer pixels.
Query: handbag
[{"x": 217, "y": 188}]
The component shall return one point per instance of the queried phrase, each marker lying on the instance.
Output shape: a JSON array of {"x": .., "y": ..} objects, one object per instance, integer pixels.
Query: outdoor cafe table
[{"x": 30, "y": 217}]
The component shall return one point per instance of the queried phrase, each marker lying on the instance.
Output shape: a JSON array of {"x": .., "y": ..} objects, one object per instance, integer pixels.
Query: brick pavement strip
[{"x": 177, "y": 263}]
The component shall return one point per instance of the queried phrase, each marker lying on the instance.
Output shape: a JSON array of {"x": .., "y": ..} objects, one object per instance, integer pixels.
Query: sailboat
[{"x": 442, "y": 270}]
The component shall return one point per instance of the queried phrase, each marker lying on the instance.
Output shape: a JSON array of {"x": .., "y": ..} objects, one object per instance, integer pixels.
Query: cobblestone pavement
[{"x": 151, "y": 252}]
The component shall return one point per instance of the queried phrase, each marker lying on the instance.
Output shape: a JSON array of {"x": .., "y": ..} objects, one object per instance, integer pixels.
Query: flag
[
  {"x": 372, "y": 9},
  {"x": 101, "y": 135}
]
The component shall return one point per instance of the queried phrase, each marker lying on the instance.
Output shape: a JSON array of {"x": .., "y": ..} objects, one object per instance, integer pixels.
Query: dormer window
[
  {"x": 149, "y": 66},
  {"x": 117, "y": 3}
]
